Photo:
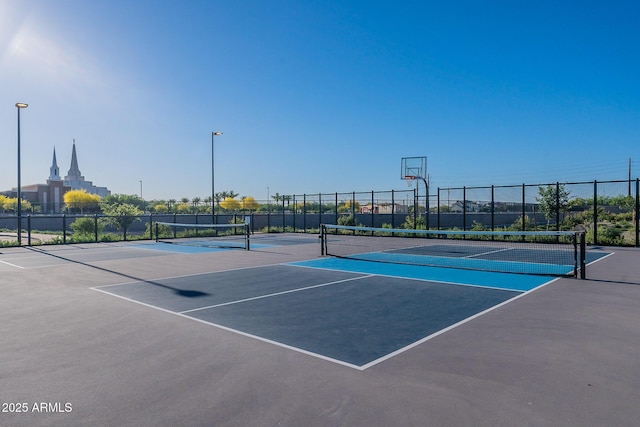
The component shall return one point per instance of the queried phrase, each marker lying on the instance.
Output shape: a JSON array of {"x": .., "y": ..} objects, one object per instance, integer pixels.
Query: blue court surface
[{"x": 355, "y": 313}]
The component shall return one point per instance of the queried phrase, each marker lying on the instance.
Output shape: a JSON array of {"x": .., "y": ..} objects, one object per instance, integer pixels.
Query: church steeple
[
  {"x": 54, "y": 170},
  {"x": 74, "y": 171}
]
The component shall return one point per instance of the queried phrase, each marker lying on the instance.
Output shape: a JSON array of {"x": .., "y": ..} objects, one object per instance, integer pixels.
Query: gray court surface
[{"x": 107, "y": 335}]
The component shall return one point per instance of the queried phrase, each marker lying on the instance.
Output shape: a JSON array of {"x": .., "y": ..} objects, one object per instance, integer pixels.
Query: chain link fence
[{"x": 608, "y": 212}]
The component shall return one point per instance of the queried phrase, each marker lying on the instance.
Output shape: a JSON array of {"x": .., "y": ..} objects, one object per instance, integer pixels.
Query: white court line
[
  {"x": 12, "y": 265},
  {"x": 488, "y": 253},
  {"x": 422, "y": 279},
  {"x": 449, "y": 328},
  {"x": 235, "y": 331},
  {"x": 277, "y": 293}
]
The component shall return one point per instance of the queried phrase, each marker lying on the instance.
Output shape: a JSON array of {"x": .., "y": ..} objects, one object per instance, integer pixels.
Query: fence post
[
  {"x": 29, "y": 230},
  {"x": 268, "y": 215},
  {"x": 438, "y": 211},
  {"x": 373, "y": 223},
  {"x": 557, "y": 206},
  {"x": 464, "y": 208},
  {"x": 295, "y": 212},
  {"x": 524, "y": 210},
  {"x": 95, "y": 227},
  {"x": 353, "y": 205},
  {"x": 595, "y": 212},
  {"x": 415, "y": 208},
  {"x": 493, "y": 209},
  {"x": 304, "y": 213},
  {"x": 393, "y": 210},
  {"x": 64, "y": 229},
  {"x": 637, "y": 212},
  {"x": 175, "y": 229},
  {"x": 319, "y": 209}
]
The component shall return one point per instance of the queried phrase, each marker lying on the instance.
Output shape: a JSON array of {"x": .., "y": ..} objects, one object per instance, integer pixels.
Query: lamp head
[{"x": 22, "y": 105}]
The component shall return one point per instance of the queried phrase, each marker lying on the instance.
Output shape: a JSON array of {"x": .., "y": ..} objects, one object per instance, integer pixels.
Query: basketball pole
[{"x": 426, "y": 186}]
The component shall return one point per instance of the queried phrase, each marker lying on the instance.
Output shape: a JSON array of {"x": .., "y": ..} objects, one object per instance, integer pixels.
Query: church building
[{"x": 50, "y": 196}]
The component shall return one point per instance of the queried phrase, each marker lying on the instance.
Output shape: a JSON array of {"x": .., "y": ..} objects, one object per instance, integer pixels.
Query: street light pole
[
  {"x": 19, "y": 106},
  {"x": 213, "y": 189},
  {"x": 142, "y": 198}
]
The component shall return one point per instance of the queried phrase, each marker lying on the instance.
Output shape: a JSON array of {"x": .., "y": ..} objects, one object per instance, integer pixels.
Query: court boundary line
[
  {"x": 234, "y": 331},
  {"x": 427, "y": 280},
  {"x": 275, "y": 294},
  {"x": 451, "y": 327},
  {"x": 185, "y": 315},
  {"x": 12, "y": 265}
]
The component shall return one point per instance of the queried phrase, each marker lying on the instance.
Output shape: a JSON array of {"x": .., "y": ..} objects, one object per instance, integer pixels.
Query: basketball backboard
[{"x": 413, "y": 167}]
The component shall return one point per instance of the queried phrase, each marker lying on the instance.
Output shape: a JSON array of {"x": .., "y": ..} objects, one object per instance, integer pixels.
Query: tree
[
  {"x": 3, "y": 199},
  {"x": 183, "y": 208},
  {"x": 249, "y": 203},
  {"x": 230, "y": 204},
  {"x": 86, "y": 226},
  {"x": 196, "y": 202},
  {"x": 553, "y": 199},
  {"x": 80, "y": 199},
  {"x": 161, "y": 209},
  {"x": 122, "y": 215},
  {"x": 11, "y": 204},
  {"x": 346, "y": 207},
  {"x": 117, "y": 199},
  {"x": 207, "y": 202}
]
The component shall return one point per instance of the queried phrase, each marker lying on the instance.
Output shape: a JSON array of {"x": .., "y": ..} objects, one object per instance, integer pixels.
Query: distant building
[
  {"x": 470, "y": 206},
  {"x": 384, "y": 208},
  {"x": 50, "y": 196}
]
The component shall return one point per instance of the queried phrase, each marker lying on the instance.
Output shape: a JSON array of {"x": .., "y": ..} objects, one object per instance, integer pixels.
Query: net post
[
  {"x": 156, "y": 231},
  {"x": 583, "y": 256},
  {"x": 323, "y": 239},
  {"x": 247, "y": 236}
]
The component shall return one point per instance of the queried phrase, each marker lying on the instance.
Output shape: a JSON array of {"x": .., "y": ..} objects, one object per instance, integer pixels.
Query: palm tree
[
  {"x": 196, "y": 203},
  {"x": 207, "y": 202}
]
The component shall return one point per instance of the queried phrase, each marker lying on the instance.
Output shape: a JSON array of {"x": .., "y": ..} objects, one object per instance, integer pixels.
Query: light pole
[
  {"x": 142, "y": 198},
  {"x": 213, "y": 189},
  {"x": 19, "y": 106}
]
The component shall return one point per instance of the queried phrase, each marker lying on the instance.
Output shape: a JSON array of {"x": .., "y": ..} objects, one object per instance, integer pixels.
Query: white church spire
[
  {"x": 54, "y": 170},
  {"x": 74, "y": 173}
]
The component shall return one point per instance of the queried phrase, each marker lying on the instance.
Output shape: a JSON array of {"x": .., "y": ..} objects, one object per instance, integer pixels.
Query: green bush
[
  {"x": 86, "y": 226},
  {"x": 349, "y": 220}
]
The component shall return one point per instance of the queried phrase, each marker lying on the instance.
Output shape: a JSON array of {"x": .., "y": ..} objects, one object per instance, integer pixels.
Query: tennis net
[
  {"x": 204, "y": 235},
  {"x": 554, "y": 253}
]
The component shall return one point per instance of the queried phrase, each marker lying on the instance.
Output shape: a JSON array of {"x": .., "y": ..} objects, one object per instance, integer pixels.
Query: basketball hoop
[{"x": 410, "y": 179}]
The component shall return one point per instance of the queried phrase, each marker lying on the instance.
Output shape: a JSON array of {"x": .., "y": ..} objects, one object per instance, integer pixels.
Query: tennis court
[{"x": 153, "y": 334}]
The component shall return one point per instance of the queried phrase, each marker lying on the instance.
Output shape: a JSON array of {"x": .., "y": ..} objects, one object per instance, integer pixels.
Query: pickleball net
[
  {"x": 552, "y": 253},
  {"x": 227, "y": 236}
]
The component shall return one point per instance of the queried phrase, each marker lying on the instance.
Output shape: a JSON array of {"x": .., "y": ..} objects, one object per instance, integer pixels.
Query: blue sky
[{"x": 319, "y": 96}]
